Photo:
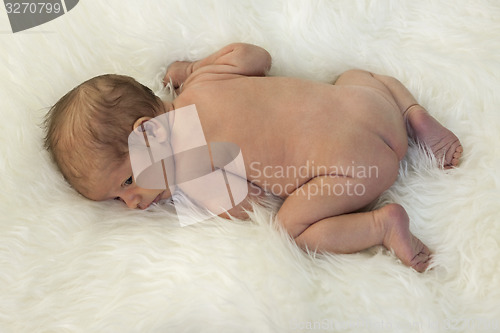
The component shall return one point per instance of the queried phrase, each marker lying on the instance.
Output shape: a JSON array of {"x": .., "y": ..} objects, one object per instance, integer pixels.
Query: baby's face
[{"x": 117, "y": 182}]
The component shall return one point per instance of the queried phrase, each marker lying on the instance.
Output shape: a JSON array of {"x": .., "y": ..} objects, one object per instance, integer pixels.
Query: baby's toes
[
  {"x": 456, "y": 156},
  {"x": 421, "y": 261},
  {"x": 453, "y": 155},
  {"x": 423, "y": 255}
]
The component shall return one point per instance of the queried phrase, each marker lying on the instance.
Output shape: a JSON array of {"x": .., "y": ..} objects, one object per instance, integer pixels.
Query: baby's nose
[{"x": 132, "y": 201}]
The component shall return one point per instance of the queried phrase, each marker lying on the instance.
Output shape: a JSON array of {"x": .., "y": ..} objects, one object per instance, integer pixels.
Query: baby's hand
[{"x": 178, "y": 72}]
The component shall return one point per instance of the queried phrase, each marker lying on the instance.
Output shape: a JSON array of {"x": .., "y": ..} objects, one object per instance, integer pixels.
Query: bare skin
[
  {"x": 442, "y": 142},
  {"x": 335, "y": 134}
]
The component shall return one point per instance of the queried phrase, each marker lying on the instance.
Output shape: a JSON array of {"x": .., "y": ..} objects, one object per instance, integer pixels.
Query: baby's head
[{"x": 87, "y": 135}]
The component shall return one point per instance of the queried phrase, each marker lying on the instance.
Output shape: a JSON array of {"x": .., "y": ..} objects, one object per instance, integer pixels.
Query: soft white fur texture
[{"x": 71, "y": 265}]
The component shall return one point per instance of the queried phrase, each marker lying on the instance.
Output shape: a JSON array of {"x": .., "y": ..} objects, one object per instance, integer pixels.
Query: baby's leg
[
  {"x": 321, "y": 221},
  {"x": 444, "y": 145},
  {"x": 349, "y": 233}
]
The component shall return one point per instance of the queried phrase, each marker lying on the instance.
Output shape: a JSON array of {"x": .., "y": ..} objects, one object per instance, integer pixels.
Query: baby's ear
[{"x": 152, "y": 127}]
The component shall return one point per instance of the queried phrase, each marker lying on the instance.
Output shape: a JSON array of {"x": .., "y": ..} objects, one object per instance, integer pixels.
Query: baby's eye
[{"x": 128, "y": 181}]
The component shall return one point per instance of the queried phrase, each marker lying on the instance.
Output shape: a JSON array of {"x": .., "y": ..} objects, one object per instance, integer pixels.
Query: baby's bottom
[{"x": 321, "y": 215}]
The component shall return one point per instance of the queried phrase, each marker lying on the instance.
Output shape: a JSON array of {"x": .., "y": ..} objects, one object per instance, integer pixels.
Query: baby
[{"x": 328, "y": 150}]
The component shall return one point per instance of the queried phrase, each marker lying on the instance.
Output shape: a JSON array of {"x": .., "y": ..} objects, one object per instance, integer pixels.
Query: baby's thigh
[{"x": 326, "y": 196}]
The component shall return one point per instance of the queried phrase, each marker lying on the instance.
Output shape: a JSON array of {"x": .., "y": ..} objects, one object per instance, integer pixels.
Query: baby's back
[{"x": 288, "y": 129}]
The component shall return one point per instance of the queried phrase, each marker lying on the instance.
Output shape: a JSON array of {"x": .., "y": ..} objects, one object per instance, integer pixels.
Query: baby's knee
[{"x": 292, "y": 221}]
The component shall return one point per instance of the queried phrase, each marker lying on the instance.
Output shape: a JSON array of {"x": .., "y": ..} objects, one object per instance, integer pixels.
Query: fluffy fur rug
[{"x": 71, "y": 265}]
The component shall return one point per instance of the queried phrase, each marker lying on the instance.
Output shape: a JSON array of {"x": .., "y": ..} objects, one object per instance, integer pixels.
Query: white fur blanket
[{"x": 71, "y": 265}]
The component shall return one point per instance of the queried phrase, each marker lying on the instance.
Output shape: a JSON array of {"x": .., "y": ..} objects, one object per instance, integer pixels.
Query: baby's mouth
[
  {"x": 158, "y": 198},
  {"x": 155, "y": 201}
]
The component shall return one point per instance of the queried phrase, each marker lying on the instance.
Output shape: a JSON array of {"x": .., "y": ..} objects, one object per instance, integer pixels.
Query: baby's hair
[{"x": 88, "y": 127}]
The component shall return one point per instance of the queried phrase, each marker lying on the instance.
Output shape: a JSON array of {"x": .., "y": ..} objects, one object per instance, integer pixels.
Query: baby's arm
[{"x": 237, "y": 58}]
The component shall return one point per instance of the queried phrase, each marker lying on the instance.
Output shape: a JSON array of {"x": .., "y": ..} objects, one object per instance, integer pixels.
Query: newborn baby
[{"x": 328, "y": 150}]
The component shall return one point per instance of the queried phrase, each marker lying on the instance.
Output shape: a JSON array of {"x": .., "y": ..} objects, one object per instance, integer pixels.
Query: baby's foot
[
  {"x": 443, "y": 143},
  {"x": 408, "y": 248}
]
